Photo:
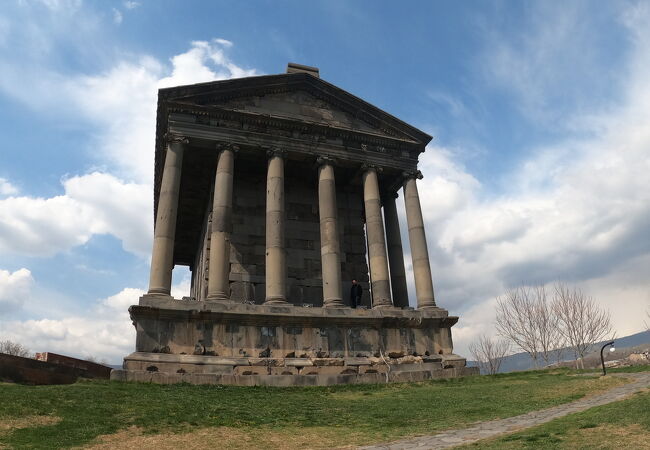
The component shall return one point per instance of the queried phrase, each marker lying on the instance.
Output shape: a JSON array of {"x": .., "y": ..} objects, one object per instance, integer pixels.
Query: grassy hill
[{"x": 132, "y": 415}]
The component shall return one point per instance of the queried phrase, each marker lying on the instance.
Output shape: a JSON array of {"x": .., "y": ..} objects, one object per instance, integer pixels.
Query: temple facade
[{"x": 277, "y": 191}]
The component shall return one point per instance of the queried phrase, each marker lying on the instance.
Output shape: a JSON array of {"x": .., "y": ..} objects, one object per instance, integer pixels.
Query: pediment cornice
[
  {"x": 220, "y": 92},
  {"x": 275, "y": 123}
]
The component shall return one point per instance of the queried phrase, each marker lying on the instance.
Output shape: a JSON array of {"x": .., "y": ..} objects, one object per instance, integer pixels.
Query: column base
[
  {"x": 334, "y": 303},
  {"x": 276, "y": 301},
  {"x": 383, "y": 306},
  {"x": 218, "y": 297},
  {"x": 159, "y": 291},
  {"x": 428, "y": 304}
]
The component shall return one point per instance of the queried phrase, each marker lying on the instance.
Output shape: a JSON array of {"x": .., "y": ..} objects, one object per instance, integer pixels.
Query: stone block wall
[
  {"x": 302, "y": 238},
  {"x": 238, "y": 330}
]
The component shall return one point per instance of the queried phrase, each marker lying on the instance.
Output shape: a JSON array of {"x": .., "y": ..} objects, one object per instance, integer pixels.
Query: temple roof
[{"x": 315, "y": 102}]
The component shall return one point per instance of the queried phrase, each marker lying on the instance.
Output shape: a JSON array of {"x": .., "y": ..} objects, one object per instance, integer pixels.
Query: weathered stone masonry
[{"x": 277, "y": 191}]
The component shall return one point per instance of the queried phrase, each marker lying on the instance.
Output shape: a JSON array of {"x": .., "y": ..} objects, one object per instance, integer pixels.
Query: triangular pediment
[
  {"x": 302, "y": 106},
  {"x": 296, "y": 97}
]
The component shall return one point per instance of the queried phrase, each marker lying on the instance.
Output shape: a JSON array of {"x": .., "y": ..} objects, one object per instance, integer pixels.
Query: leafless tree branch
[
  {"x": 13, "y": 348},
  {"x": 546, "y": 324},
  {"x": 489, "y": 353},
  {"x": 582, "y": 322},
  {"x": 516, "y": 322}
]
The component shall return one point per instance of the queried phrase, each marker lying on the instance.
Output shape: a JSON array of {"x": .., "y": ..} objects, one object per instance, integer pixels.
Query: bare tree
[
  {"x": 547, "y": 325},
  {"x": 516, "y": 320},
  {"x": 13, "y": 348},
  {"x": 583, "y": 322},
  {"x": 489, "y": 353}
]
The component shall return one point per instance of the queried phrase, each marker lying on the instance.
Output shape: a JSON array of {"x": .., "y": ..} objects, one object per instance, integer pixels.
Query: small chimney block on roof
[{"x": 297, "y": 68}]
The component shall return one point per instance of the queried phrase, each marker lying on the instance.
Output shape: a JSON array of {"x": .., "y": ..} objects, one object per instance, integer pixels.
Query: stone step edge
[{"x": 289, "y": 380}]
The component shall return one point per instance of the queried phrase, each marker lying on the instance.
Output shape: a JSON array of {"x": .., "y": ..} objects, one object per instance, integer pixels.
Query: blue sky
[{"x": 537, "y": 171}]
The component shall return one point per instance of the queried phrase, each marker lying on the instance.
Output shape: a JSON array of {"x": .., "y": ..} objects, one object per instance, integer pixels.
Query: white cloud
[
  {"x": 181, "y": 288},
  {"x": 123, "y": 299},
  {"x": 577, "y": 211},
  {"x": 121, "y": 103},
  {"x": 117, "y": 16},
  {"x": 225, "y": 42},
  {"x": 205, "y": 61},
  {"x": 104, "y": 331},
  {"x": 131, "y": 4},
  {"x": 6, "y": 188},
  {"x": 15, "y": 289},
  {"x": 97, "y": 203},
  {"x": 61, "y": 4},
  {"x": 547, "y": 63}
]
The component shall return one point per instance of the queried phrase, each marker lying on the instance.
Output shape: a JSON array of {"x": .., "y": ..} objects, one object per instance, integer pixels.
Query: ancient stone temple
[{"x": 277, "y": 191}]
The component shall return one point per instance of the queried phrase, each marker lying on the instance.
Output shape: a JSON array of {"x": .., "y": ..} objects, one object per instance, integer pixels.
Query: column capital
[
  {"x": 275, "y": 151},
  {"x": 173, "y": 138},
  {"x": 324, "y": 159},
  {"x": 221, "y": 146},
  {"x": 367, "y": 166},
  {"x": 412, "y": 174}
]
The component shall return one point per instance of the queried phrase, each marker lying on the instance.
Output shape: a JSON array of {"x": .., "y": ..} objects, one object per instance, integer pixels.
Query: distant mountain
[{"x": 521, "y": 361}]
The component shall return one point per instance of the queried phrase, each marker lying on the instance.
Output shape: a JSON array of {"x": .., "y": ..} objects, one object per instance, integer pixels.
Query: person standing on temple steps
[{"x": 355, "y": 294}]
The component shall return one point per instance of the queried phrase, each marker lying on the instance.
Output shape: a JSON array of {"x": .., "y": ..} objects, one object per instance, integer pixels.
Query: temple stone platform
[{"x": 233, "y": 343}]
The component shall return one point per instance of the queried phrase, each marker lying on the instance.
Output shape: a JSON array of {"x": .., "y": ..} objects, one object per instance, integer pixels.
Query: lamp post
[{"x": 602, "y": 358}]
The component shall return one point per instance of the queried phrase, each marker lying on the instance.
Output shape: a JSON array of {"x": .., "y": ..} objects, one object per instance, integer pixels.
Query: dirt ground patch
[
  {"x": 609, "y": 437},
  {"x": 592, "y": 386},
  {"x": 8, "y": 424},
  {"x": 228, "y": 438}
]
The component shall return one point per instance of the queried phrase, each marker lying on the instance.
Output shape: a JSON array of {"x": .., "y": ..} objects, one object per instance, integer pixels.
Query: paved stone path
[{"x": 493, "y": 428}]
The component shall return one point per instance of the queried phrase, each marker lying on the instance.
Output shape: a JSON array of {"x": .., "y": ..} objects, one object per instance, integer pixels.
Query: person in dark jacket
[{"x": 355, "y": 294}]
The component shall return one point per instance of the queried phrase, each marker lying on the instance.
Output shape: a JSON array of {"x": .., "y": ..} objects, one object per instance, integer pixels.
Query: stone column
[
  {"x": 330, "y": 248},
  {"x": 276, "y": 260},
  {"x": 418, "y": 242},
  {"x": 219, "y": 265},
  {"x": 376, "y": 242},
  {"x": 162, "y": 254},
  {"x": 395, "y": 253}
]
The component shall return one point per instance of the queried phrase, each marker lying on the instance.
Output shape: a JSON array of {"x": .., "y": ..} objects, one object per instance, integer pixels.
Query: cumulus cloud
[
  {"x": 121, "y": 103},
  {"x": 204, "y": 61},
  {"x": 123, "y": 100},
  {"x": 6, "y": 188},
  {"x": 97, "y": 203},
  {"x": 131, "y": 4},
  {"x": 15, "y": 289},
  {"x": 576, "y": 211},
  {"x": 103, "y": 331}
]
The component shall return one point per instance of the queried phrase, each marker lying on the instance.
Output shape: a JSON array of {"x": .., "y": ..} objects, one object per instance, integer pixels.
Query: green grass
[
  {"x": 358, "y": 414},
  {"x": 624, "y": 424},
  {"x": 630, "y": 369}
]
